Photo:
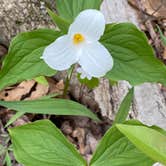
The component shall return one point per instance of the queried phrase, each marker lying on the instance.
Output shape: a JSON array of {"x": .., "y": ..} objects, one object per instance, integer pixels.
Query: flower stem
[{"x": 67, "y": 82}]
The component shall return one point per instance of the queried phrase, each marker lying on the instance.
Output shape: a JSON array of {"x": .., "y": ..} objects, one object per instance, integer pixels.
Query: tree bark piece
[
  {"x": 150, "y": 105},
  {"x": 21, "y": 15}
]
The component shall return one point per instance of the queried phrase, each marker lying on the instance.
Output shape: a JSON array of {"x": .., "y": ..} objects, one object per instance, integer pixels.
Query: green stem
[{"x": 67, "y": 82}]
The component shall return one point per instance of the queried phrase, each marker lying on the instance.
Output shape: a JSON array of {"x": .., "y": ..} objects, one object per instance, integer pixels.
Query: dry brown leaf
[
  {"x": 55, "y": 87},
  {"x": 164, "y": 54},
  {"x": 16, "y": 93},
  {"x": 79, "y": 133},
  {"x": 40, "y": 90},
  {"x": 156, "y": 8},
  {"x": 30, "y": 90}
]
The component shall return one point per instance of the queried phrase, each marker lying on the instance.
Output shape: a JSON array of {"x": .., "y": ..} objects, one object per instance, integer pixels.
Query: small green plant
[
  {"x": 163, "y": 38},
  {"x": 117, "y": 51}
]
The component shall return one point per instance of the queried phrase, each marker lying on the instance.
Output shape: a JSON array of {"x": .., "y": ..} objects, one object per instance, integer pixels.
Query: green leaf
[
  {"x": 163, "y": 38},
  {"x": 69, "y": 9},
  {"x": 62, "y": 24},
  {"x": 116, "y": 150},
  {"x": 94, "y": 82},
  {"x": 134, "y": 58},
  {"x": 41, "y": 80},
  {"x": 138, "y": 123},
  {"x": 148, "y": 140},
  {"x": 50, "y": 106},
  {"x": 41, "y": 143},
  {"x": 23, "y": 60},
  {"x": 124, "y": 107}
]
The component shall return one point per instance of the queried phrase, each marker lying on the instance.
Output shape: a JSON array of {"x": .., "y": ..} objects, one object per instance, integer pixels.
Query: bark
[{"x": 19, "y": 16}]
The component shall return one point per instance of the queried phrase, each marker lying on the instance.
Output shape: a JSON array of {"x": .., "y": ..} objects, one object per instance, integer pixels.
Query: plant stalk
[{"x": 67, "y": 82}]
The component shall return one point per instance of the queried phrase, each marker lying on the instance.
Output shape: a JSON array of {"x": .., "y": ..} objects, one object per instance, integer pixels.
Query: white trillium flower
[{"x": 81, "y": 46}]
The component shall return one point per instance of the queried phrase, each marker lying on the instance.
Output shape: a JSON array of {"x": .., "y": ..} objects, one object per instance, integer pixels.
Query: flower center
[{"x": 78, "y": 38}]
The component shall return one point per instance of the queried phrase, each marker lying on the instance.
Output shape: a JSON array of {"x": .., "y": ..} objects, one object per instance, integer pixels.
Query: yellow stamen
[{"x": 78, "y": 38}]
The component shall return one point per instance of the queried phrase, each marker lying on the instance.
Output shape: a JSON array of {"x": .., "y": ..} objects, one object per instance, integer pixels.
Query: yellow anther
[{"x": 78, "y": 38}]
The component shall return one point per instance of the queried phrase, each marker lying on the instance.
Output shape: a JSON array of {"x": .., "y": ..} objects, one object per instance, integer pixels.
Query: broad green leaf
[
  {"x": 50, "y": 106},
  {"x": 94, "y": 82},
  {"x": 163, "y": 38},
  {"x": 41, "y": 143},
  {"x": 69, "y": 9},
  {"x": 23, "y": 60},
  {"x": 116, "y": 150},
  {"x": 41, "y": 80},
  {"x": 148, "y": 140},
  {"x": 138, "y": 123},
  {"x": 14, "y": 118},
  {"x": 134, "y": 58},
  {"x": 62, "y": 24},
  {"x": 124, "y": 107}
]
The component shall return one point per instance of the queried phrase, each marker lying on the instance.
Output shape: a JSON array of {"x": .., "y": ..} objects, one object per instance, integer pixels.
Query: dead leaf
[
  {"x": 16, "y": 93},
  {"x": 40, "y": 90},
  {"x": 155, "y": 8},
  {"x": 164, "y": 54},
  {"x": 79, "y": 133},
  {"x": 30, "y": 90},
  {"x": 55, "y": 87}
]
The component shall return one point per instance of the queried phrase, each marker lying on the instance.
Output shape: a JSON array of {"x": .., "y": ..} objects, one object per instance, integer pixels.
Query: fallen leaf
[
  {"x": 155, "y": 7},
  {"x": 55, "y": 87},
  {"x": 40, "y": 90},
  {"x": 16, "y": 93},
  {"x": 79, "y": 133}
]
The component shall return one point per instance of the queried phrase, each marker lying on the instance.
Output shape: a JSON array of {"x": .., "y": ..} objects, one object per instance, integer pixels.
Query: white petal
[
  {"x": 83, "y": 74},
  {"x": 89, "y": 77},
  {"x": 95, "y": 60},
  {"x": 61, "y": 54},
  {"x": 90, "y": 23},
  {"x": 79, "y": 70}
]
